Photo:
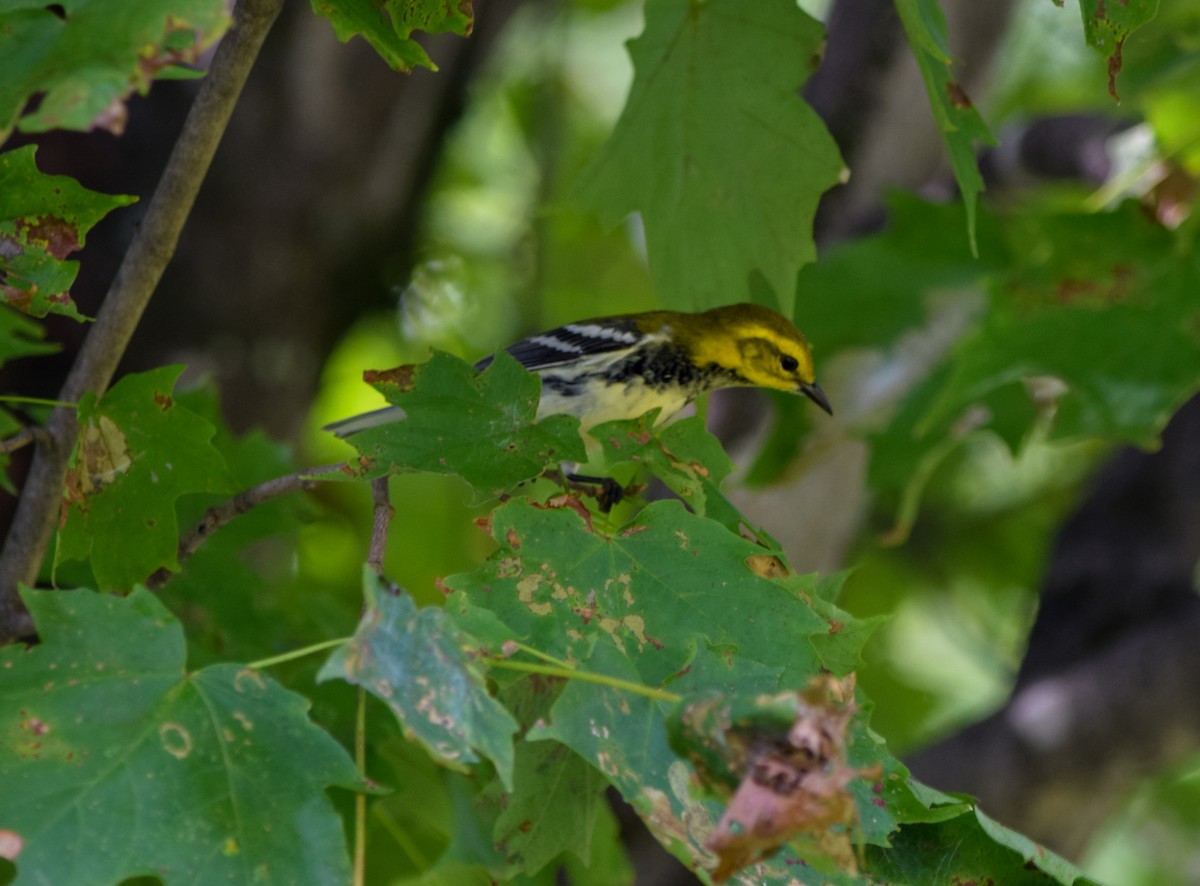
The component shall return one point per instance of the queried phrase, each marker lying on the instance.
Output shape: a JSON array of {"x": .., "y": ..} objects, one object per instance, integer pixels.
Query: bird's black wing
[{"x": 572, "y": 342}]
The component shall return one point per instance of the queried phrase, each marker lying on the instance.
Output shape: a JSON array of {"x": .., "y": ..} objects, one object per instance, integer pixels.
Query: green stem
[
  {"x": 360, "y": 799},
  {"x": 297, "y": 653},
  {"x": 544, "y": 656},
  {"x": 585, "y": 676},
  {"x": 36, "y": 401}
]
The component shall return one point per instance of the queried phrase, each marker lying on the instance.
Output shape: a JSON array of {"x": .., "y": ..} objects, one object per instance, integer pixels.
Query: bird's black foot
[{"x": 609, "y": 493}]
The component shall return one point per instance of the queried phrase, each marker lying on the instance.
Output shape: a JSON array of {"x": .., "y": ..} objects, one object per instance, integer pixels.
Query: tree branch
[
  {"x": 218, "y": 515},
  {"x": 383, "y": 519},
  {"x": 127, "y": 298}
]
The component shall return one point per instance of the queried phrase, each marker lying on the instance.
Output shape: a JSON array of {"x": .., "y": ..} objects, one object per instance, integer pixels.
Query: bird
[{"x": 620, "y": 367}]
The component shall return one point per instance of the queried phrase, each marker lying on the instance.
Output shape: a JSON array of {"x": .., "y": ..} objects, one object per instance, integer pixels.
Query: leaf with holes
[
  {"x": 138, "y": 451},
  {"x": 43, "y": 219},
  {"x": 781, "y": 762},
  {"x": 118, "y": 763},
  {"x": 672, "y": 600}
]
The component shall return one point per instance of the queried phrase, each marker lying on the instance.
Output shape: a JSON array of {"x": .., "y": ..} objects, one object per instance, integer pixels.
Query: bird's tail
[{"x": 348, "y": 426}]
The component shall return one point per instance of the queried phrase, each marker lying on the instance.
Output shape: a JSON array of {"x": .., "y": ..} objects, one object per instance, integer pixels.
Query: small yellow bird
[{"x": 621, "y": 367}]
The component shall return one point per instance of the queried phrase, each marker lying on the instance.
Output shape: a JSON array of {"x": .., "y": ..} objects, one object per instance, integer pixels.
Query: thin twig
[
  {"x": 218, "y": 515},
  {"x": 379, "y": 533},
  {"x": 383, "y": 519},
  {"x": 136, "y": 280},
  {"x": 21, "y": 438}
]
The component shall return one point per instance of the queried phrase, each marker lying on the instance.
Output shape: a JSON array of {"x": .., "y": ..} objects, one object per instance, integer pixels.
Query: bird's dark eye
[{"x": 789, "y": 363}]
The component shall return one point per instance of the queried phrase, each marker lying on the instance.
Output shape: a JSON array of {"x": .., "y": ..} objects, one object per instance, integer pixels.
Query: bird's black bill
[{"x": 813, "y": 392}]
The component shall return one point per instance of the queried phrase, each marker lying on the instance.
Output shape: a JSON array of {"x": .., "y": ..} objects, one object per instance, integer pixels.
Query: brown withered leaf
[
  {"x": 794, "y": 784},
  {"x": 400, "y": 376}
]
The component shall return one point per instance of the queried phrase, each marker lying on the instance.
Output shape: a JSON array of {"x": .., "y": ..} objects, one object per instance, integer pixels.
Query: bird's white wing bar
[
  {"x": 570, "y": 343},
  {"x": 555, "y": 344},
  {"x": 603, "y": 333}
]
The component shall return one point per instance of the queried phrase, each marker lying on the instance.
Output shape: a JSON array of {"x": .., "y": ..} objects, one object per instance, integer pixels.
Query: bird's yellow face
[
  {"x": 772, "y": 362},
  {"x": 761, "y": 348}
]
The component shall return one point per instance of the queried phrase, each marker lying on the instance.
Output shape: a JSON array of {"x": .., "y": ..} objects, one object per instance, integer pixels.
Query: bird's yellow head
[{"x": 758, "y": 347}]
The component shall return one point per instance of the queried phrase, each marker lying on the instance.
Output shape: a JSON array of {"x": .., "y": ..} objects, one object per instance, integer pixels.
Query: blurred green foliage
[{"x": 984, "y": 383}]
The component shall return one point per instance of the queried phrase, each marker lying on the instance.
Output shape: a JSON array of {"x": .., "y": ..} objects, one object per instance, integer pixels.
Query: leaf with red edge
[
  {"x": 1107, "y": 25},
  {"x": 43, "y": 219}
]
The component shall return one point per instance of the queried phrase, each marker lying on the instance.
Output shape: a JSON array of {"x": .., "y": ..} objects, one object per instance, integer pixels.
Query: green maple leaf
[
  {"x": 479, "y": 425},
  {"x": 388, "y": 25},
  {"x": 688, "y": 459},
  {"x": 138, "y": 452},
  {"x": 717, "y": 151},
  {"x": 118, "y": 763},
  {"x": 663, "y": 586},
  {"x": 556, "y": 803}
]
